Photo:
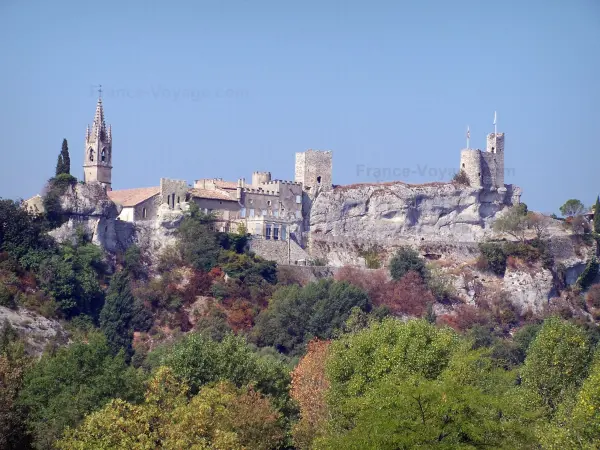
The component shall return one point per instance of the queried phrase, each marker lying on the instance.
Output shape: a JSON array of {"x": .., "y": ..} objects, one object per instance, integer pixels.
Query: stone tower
[
  {"x": 313, "y": 170},
  {"x": 485, "y": 169},
  {"x": 97, "y": 161}
]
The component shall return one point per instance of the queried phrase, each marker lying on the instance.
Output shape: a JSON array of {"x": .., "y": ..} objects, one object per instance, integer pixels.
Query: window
[
  {"x": 243, "y": 213},
  {"x": 103, "y": 155},
  {"x": 463, "y": 165},
  {"x": 275, "y": 233},
  {"x": 268, "y": 202},
  {"x": 268, "y": 231},
  {"x": 178, "y": 200},
  {"x": 298, "y": 199},
  {"x": 144, "y": 213},
  {"x": 91, "y": 153},
  {"x": 264, "y": 212},
  {"x": 319, "y": 180},
  {"x": 283, "y": 231},
  {"x": 251, "y": 212},
  {"x": 276, "y": 213}
]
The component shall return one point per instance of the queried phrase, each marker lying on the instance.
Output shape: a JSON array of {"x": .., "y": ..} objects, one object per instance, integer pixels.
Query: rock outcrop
[
  {"x": 35, "y": 329},
  {"x": 390, "y": 214},
  {"x": 87, "y": 207}
]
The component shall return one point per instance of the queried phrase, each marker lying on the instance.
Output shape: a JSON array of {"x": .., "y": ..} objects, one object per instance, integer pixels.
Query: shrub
[
  {"x": 593, "y": 296},
  {"x": 7, "y": 297},
  {"x": 409, "y": 296},
  {"x": 372, "y": 257},
  {"x": 589, "y": 274},
  {"x": 461, "y": 177},
  {"x": 493, "y": 258},
  {"x": 407, "y": 260}
]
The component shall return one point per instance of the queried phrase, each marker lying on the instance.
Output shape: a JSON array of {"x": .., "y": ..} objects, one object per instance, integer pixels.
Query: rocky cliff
[{"x": 390, "y": 214}]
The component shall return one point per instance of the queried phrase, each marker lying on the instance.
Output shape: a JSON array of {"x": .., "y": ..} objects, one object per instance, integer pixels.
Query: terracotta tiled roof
[
  {"x": 132, "y": 197},
  {"x": 215, "y": 194}
]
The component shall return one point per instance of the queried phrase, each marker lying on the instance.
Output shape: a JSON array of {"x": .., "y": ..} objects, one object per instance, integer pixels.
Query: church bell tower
[{"x": 97, "y": 161}]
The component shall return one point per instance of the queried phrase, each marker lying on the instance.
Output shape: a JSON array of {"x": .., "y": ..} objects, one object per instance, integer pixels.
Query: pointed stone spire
[{"x": 99, "y": 126}]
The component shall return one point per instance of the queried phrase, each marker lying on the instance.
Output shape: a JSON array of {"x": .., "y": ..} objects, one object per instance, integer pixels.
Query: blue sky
[{"x": 199, "y": 89}]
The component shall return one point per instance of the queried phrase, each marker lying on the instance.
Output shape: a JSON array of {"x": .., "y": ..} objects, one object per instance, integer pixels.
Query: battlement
[
  {"x": 259, "y": 190},
  {"x": 283, "y": 182}
]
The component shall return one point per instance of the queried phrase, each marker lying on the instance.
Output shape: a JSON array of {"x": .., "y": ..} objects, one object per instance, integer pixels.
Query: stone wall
[
  {"x": 148, "y": 209},
  {"x": 224, "y": 209},
  {"x": 278, "y": 251},
  {"x": 173, "y": 192}
]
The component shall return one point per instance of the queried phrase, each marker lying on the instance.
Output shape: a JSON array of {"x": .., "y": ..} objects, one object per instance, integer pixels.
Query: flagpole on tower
[
  {"x": 495, "y": 133},
  {"x": 495, "y": 126},
  {"x": 468, "y": 137}
]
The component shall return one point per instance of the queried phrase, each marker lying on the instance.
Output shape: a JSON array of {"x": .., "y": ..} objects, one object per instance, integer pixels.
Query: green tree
[
  {"x": 23, "y": 236},
  {"x": 412, "y": 385},
  {"x": 14, "y": 362},
  {"x": 62, "y": 388},
  {"x": 73, "y": 277},
  {"x": 297, "y": 314},
  {"x": 117, "y": 315},
  {"x": 513, "y": 222},
  {"x": 406, "y": 260},
  {"x": 577, "y": 423},
  {"x": 556, "y": 362},
  {"x": 198, "y": 360},
  {"x": 218, "y": 417},
  {"x": 572, "y": 207},
  {"x": 63, "y": 164},
  {"x": 197, "y": 243}
]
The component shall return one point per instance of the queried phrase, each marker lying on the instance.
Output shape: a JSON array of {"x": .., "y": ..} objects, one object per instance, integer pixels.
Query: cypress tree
[
  {"x": 63, "y": 165},
  {"x": 60, "y": 165},
  {"x": 65, "y": 157},
  {"x": 597, "y": 215}
]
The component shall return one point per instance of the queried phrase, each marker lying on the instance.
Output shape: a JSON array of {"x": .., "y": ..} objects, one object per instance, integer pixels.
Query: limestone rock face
[
  {"x": 37, "y": 330},
  {"x": 392, "y": 213},
  {"x": 157, "y": 234},
  {"x": 88, "y": 207},
  {"x": 529, "y": 291}
]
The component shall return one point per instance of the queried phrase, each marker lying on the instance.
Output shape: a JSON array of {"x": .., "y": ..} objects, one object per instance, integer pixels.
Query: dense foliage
[{"x": 209, "y": 346}]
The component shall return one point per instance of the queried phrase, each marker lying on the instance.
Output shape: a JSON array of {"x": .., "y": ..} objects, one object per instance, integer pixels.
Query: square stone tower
[{"x": 314, "y": 170}]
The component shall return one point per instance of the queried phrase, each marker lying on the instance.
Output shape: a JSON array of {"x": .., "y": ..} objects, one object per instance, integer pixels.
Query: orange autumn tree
[{"x": 308, "y": 387}]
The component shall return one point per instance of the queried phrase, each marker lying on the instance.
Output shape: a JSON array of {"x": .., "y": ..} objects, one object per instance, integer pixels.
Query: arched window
[
  {"x": 144, "y": 213},
  {"x": 319, "y": 180},
  {"x": 103, "y": 155},
  {"x": 91, "y": 154}
]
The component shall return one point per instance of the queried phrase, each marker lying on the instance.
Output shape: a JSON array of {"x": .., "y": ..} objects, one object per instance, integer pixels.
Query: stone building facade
[{"x": 485, "y": 169}]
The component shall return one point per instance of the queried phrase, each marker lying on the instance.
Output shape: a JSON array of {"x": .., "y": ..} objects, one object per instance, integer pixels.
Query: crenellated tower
[{"x": 97, "y": 161}]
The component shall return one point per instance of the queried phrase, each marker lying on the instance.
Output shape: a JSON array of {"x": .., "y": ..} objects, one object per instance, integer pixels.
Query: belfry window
[
  {"x": 91, "y": 154},
  {"x": 103, "y": 155}
]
